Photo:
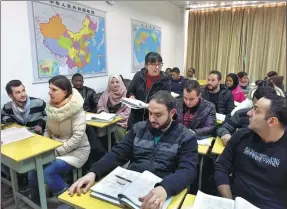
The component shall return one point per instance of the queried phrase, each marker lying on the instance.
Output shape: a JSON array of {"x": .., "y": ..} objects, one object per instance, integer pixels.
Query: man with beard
[
  {"x": 160, "y": 145},
  {"x": 89, "y": 95},
  {"x": 23, "y": 110},
  {"x": 218, "y": 94},
  {"x": 253, "y": 165}
]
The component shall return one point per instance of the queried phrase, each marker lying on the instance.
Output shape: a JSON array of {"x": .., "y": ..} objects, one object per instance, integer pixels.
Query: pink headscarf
[{"x": 114, "y": 96}]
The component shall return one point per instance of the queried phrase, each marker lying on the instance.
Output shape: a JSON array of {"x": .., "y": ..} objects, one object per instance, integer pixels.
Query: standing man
[{"x": 89, "y": 95}]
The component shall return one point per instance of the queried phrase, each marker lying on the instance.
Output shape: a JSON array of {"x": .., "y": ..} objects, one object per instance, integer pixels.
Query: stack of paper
[
  {"x": 174, "y": 94},
  {"x": 134, "y": 103},
  {"x": 204, "y": 142},
  {"x": 220, "y": 117},
  {"x": 102, "y": 117},
  {"x": 14, "y": 134}
]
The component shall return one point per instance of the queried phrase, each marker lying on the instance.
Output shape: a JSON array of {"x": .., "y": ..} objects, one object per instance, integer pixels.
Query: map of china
[{"x": 64, "y": 43}]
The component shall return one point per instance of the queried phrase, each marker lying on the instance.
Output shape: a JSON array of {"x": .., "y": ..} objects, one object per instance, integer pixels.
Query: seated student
[
  {"x": 194, "y": 112},
  {"x": 176, "y": 81},
  {"x": 270, "y": 74},
  {"x": 243, "y": 80},
  {"x": 218, "y": 94},
  {"x": 232, "y": 83},
  {"x": 89, "y": 95},
  {"x": 160, "y": 145},
  {"x": 23, "y": 110},
  {"x": 240, "y": 118},
  {"x": 256, "y": 157},
  {"x": 146, "y": 83},
  {"x": 168, "y": 71},
  {"x": 110, "y": 102},
  {"x": 190, "y": 74},
  {"x": 67, "y": 124},
  {"x": 278, "y": 81},
  {"x": 247, "y": 103},
  {"x": 26, "y": 111}
]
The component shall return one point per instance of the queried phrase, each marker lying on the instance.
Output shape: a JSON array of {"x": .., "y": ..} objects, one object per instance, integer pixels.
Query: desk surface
[
  {"x": 202, "y": 82},
  {"x": 188, "y": 201},
  {"x": 203, "y": 149},
  {"x": 218, "y": 147},
  {"x": 102, "y": 124},
  {"x": 88, "y": 202},
  {"x": 29, "y": 147},
  {"x": 219, "y": 122}
]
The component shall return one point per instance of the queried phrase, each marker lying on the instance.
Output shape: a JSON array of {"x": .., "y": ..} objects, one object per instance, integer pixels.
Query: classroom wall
[{"x": 16, "y": 58}]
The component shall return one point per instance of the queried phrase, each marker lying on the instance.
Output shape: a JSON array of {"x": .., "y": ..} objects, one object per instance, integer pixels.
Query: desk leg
[
  {"x": 41, "y": 185},
  {"x": 200, "y": 173},
  {"x": 15, "y": 187},
  {"x": 109, "y": 138}
]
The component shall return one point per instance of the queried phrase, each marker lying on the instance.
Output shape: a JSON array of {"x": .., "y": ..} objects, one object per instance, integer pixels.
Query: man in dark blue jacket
[
  {"x": 176, "y": 81},
  {"x": 160, "y": 145}
]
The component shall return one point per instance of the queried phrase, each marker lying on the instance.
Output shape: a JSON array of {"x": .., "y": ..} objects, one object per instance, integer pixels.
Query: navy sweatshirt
[
  {"x": 259, "y": 169},
  {"x": 177, "y": 85}
]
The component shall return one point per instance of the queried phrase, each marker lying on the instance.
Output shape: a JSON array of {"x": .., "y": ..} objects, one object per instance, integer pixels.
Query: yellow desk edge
[
  {"x": 88, "y": 202},
  {"x": 218, "y": 147},
  {"x": 188, "y": 201},
  {"x": 204, "y": 149},
  {"x": 19, "y": 155}
]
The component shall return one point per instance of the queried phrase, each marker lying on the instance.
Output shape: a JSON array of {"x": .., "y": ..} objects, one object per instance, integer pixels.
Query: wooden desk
[
  {"x": 218, "y": 147},
  {"x": 188, "y": 201},
  {"x": 85, "y": 201},
  {"x": 219, "y": 122},
  {"x": 109, "y": 126},
  {"x": 202, "y": 82},
  {"x": 25, "y": 155}
]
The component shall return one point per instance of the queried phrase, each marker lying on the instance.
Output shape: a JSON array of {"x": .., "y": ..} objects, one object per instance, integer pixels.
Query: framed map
[
  {"x": 145, "y": 38},
  {"x": 67, "y": 38}
]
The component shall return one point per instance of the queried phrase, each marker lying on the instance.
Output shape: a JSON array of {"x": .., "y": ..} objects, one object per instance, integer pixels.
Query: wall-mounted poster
[
  {"x": 145, "y": 38},
  {"x": 67, "y": 38}
]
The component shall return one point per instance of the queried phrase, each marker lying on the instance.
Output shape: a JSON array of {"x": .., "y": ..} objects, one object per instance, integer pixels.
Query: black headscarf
[{"x": 235, "y": 80}]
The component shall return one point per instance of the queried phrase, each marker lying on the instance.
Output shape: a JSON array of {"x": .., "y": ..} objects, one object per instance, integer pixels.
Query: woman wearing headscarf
[
  {"x": 233, "y": 84},
  {"x": 110, "y": 102}
]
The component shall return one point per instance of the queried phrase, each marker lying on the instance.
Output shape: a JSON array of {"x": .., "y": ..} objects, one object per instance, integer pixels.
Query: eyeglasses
[{"x": 156, "y": 64}]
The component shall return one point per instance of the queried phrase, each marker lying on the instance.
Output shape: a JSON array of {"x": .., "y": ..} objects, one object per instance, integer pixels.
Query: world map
[
  {"x": 68, "y": 38},
  {"x": 146, "y": 38}
]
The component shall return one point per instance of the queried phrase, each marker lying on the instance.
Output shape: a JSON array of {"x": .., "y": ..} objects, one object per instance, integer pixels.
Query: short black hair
[
  {"x": 278, "y": 108},
  {"x": 164, "y": 97},
  {"x": 242, "y": 74},
  {"x": 265, "y": 83},
  {"x": 63, "y": 83},
  {"x": 216, "y": 72},
  {"x": 12, "y": 83},
  {"x": 167, "y": 69},
  {"x": 76, "y": 75},
  {"x": 271, "y": 73},
  {"x": 175, "y": 70},
  {"x": 192, "y": 85},
  {"x": 262, "y": 91},
  {"x": 153, "y": 57}
]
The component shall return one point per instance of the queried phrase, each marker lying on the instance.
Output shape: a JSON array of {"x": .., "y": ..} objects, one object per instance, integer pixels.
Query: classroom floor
[{"x": 4, "y": 188}]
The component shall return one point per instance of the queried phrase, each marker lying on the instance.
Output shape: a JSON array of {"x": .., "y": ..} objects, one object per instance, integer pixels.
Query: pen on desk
[{"x": 123, "y": 178}]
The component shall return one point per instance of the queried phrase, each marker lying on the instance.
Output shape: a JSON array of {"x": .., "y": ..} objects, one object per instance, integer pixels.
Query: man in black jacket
[
  {"x": 146, "y": 83},
  {"x": 256, "y": 157},
  {"x": 218, "y": 94},
  {"x": 240, "y": 118},
  {"x": 89, "y": 95},
  {"x": 160, "y": 145},
  {"x": 194, "y": 112}
]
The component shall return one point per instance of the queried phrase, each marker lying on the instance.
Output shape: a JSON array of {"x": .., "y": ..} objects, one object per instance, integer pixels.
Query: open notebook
[
  {"x": 124, "y": 187},
  {"x": 102, "y": 117},
  {"x": 134, "y": 103},
  {"x": 205, "y": 201},
  {"x": 14, "y": 134}
]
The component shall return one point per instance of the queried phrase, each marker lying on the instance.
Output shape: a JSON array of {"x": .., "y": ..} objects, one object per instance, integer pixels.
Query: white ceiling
[{"x": 215, "y": 4}]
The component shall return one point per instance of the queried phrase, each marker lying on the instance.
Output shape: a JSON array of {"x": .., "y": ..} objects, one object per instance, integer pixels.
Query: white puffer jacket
[{"x": 67, "y": 124}]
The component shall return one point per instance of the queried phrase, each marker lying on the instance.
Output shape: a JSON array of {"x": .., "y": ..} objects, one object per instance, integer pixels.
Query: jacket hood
[{"x": 68, "y": 110}]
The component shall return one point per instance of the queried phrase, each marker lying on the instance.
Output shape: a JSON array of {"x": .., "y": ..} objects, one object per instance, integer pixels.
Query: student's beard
[
  {"x": 19, "y": 103},
  {"x": 158, "y": 131}
]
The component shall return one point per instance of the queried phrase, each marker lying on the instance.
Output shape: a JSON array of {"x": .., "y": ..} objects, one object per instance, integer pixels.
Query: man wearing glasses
[{"x": 145, "y": 83}]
